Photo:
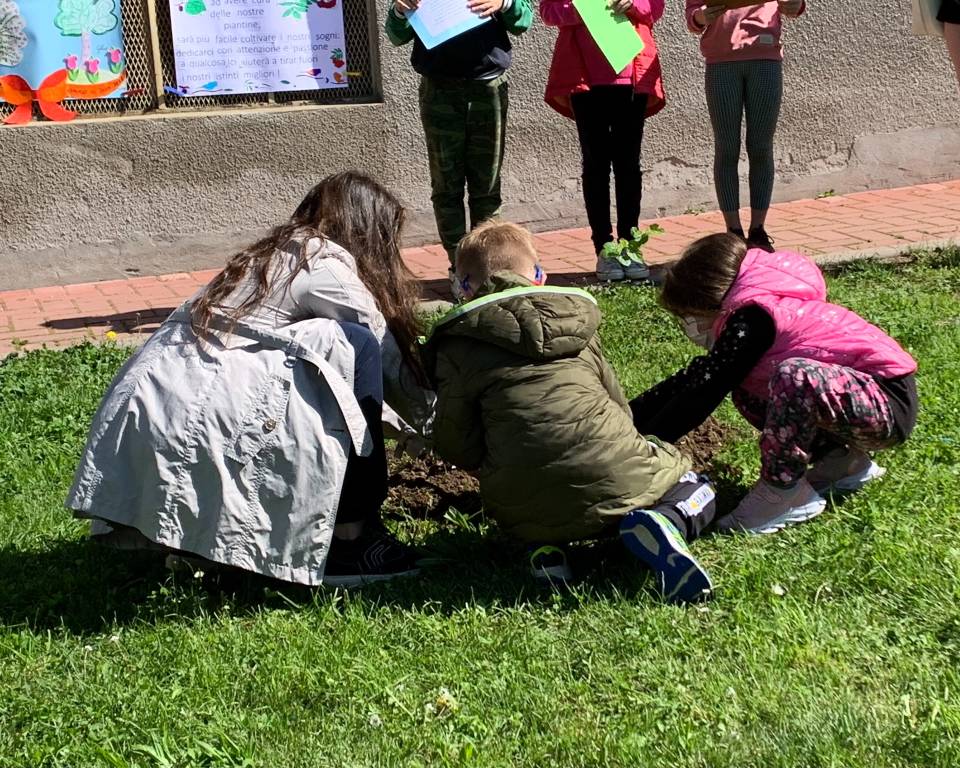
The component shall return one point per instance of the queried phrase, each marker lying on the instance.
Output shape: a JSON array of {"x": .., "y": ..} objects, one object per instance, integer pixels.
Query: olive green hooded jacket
[{"x": 526, "y": 398}]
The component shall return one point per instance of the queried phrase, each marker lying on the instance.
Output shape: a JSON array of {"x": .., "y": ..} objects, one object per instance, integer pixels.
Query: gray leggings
[{"x": 735, "y": 87}]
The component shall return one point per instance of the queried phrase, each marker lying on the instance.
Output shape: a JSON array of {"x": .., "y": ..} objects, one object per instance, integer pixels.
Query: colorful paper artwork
[
  {"x": 52, "y": 50},
  {"x": 224, "y": 47}
]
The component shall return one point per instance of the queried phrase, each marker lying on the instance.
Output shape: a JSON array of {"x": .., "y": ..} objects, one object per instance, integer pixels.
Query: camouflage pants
[{"x": 464, "y": 122}]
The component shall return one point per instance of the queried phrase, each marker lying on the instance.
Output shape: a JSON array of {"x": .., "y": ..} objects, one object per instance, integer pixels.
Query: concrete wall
[{"x": 866, "y": 105}]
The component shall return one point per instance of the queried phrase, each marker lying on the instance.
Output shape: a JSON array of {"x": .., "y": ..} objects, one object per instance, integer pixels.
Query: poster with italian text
[{"x": 224, "y": 47}]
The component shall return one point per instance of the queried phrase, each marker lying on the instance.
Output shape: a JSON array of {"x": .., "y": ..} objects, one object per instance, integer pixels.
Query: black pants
[
  {"x": 610, "y": 122},
  {"x": 365, "y": 481},
  {"x": 690, "y": 505}
]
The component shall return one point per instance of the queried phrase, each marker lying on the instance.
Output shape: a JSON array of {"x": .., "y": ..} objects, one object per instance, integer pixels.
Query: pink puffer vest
[{"x": 790, "y": 288}]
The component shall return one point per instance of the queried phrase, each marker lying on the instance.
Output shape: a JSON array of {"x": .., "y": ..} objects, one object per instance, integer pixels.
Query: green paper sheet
[{"x": 614, "y": 34}]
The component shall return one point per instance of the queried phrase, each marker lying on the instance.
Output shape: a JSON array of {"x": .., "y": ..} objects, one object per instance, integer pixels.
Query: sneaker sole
[
  {"x": 796, "y": 515},
  {"x": 637, "y": 273},
  {"x": 852, "y": 483},
  {"x": 682, "y": 579},
  {"x": 552, "y": 575},
  {"x": 359, "y": 580}
]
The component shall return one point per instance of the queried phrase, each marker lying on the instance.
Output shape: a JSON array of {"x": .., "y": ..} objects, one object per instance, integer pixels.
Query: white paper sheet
[{"x": 437, "y": 21}]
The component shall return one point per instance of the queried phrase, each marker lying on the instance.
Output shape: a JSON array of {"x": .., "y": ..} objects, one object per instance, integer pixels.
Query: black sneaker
[
  {"x": 374, "y": 556},
  {"x": 738, "y": 232},
  {"x": 759, "y": 238}
]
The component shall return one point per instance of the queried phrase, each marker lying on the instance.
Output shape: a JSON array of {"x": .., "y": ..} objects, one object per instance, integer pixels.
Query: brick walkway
[{"x": 862, "y": 223}]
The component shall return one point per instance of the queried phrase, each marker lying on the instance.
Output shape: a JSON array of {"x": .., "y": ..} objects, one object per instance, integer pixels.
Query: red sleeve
[
  {"x": 559, "y": 13},
  {"x": 647, "y": 12}
]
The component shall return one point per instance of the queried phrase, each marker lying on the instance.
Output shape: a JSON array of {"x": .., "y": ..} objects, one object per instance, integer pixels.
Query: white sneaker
[
  {"x": 768, "y": 509},
  {"x": 844, "y": 470},
  {"x": 609, "y": 270},
  {"x": 636, "y": 270}
]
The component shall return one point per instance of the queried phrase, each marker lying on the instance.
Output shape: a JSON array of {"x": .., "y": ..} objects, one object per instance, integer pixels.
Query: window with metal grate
[{"x": 148, "y": 49}]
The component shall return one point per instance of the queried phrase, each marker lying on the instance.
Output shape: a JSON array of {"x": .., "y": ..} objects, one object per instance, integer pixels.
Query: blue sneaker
[{"x": 656, "y": 541}]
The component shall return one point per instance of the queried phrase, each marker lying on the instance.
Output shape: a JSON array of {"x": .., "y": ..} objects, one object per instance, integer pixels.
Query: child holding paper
[
  {"x": 463, "y": 107},
  {"x": 610, "y": 108},
  {"x": 741, "y": 45}
]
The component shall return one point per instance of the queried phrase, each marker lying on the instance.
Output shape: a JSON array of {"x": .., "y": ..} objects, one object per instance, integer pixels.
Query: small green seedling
[{"x": 630, "y": 251}]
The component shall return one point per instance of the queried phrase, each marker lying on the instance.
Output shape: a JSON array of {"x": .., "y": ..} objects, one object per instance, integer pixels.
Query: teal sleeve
[
  {"x": 518, "y": 17},
  {"x": 398, "y": 29}
]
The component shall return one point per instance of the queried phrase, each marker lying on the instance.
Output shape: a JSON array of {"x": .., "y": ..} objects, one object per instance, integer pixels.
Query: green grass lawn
[{"x": 836, "y": 643}]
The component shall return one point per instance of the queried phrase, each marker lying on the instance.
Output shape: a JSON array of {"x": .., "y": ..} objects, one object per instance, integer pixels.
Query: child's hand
[
  {"x": 705, "y": 15},
  {"x": 790, "y": 7},
  {"x": 484, "y": 8},
  {"x": 402, "y": 7},
  {"x": 620, "y": 6}
]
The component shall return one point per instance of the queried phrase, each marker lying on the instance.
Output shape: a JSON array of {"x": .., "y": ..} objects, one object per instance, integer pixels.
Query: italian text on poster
[{"x": 257, "y": 46}]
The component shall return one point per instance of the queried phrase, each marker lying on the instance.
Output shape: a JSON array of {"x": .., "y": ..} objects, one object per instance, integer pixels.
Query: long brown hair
[
  {"x": 355, "y": 212},
  {"x": 699, "y": 281}
]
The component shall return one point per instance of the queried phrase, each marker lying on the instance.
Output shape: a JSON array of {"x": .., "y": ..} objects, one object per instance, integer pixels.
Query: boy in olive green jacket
[{"x": 526, "y": 399}]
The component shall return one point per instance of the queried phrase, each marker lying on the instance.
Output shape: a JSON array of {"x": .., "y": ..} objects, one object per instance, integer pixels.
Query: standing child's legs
[
  {"x": 486, "y": 123},
  {"x": 626, "y": 139},
  {"x": 725, "y": 99},
  {"x": 443, "y": 111},
  {"x": 659, "y": 537},
  {"x": 592, "y": 112},
  {"x": 951, "y": 33},
  {"x": 762, "y": 96}
]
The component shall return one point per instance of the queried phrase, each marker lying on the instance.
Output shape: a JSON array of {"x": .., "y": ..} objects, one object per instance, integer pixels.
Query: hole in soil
[
  {"x": 428, "y": 488},
  {"x": 703, "y": 444}
]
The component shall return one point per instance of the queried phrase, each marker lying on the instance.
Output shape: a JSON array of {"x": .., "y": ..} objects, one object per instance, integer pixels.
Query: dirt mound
[{"x": 427, "y": 487}]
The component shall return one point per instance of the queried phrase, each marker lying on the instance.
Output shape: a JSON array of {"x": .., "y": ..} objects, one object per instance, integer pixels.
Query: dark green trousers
[{"x": 464, "y": 122}]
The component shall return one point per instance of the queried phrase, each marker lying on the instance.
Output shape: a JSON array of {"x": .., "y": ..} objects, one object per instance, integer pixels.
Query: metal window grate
[{"x": 359, "y": 22}]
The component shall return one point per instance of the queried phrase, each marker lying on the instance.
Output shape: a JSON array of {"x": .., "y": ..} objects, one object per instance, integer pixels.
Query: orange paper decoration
[
  {"x": 17, "y": 91},
  {"x": 54, "y": 89}
]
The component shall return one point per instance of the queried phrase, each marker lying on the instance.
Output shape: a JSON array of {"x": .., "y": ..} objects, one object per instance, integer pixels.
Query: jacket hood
[
  {"x": 782, "y": 274},
  {"x": 536, "y": 322}
]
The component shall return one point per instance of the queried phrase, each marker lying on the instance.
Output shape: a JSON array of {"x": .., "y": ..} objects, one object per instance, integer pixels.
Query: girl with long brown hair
[{"x": 248, "y": 430}]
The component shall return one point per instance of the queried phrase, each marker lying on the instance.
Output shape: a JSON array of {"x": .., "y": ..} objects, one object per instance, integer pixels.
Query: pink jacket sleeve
[
  {"x": 560, "y": 13},
  {"x": 647, "y": 12}
]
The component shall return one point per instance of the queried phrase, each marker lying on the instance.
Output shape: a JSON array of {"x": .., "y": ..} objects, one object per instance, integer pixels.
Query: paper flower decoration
[
  {"x": 93, "y": 69},
  {"x": 115, "y": 60},
  {"x": 72, "y": 63}
]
